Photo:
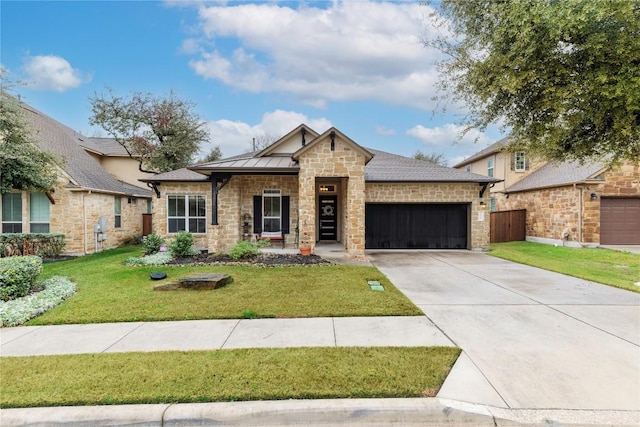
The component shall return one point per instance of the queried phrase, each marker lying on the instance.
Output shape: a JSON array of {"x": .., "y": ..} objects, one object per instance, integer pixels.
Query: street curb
[{"x": 346, "y": 412}]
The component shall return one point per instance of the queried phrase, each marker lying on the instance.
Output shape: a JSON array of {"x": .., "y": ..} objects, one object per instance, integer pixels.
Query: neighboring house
[
  {"x": 84, "y": 193},
  {"x": 329, "y": 187},
  {"x": 566, "y": 203}
]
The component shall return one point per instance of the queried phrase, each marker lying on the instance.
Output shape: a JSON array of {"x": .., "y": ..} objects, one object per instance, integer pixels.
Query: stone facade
[
  {"x": 75, "y": 213},
  {"x": 568, "y": 213},
  {"x": 438, "y": 193},
  {"x": 346, "y": 164}
]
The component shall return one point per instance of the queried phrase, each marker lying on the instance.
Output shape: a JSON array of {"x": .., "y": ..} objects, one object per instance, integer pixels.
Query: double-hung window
[
  {"x": 117, "y": 212},
  {"x": 271, "y": 211},
  {"x": 12, "y": 213},
  {"x": 490, "y": 166},
  {"x": 187, "y": 213},
  {"x": 39, "y": 213},
  {"x": 520, "y": 161}
]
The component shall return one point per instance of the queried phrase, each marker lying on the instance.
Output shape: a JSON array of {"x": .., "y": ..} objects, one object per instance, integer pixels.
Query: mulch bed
[{"x": 269, "y": 259}]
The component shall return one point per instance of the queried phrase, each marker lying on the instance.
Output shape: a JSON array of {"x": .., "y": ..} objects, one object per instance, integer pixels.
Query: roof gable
[
  {"x": 328, "y": 134},
  {"x": 291, "y": 142}
]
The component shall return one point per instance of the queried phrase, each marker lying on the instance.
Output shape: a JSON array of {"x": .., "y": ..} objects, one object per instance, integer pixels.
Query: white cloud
[
  {"x": 449, "y": 138},
  {"x": 385, "y": 131},
  {"x": 236, "y": 137},
  {"x": 348, "y": 51},
  {"x": 51, "y": 72}
]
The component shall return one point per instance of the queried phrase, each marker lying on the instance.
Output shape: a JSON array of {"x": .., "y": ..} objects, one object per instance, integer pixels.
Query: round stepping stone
[{"x": 158, "y": 275}]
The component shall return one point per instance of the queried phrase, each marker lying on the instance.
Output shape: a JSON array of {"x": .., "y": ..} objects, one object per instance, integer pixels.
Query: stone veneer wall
[
  {"x": 343, "y": 162},
  {"x": 552, "y": 212},
  {"x": 234, "y": 200},
  {"x": 76, "y": 212},
  {"x": 438, "y": 193}
]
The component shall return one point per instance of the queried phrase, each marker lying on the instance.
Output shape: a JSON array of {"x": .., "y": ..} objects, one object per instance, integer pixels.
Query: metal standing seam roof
[
  {"x": 63, "y": 142},
  {"x": 557, "y": 175}
]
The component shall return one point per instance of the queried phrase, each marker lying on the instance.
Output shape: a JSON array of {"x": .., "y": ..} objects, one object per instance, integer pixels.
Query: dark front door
[{"x": 328, "y": 218}]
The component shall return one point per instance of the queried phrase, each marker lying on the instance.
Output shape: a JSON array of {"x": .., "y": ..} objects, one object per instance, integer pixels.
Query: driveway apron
[{"x": 530, "y": 338}]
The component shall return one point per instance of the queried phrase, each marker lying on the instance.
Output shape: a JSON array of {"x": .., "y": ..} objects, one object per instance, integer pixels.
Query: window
[
  {"x": 149, "y": 206},
  {"x": 12, "y": 213},
  {"x": 271, "y": 211},
  {"x": 187, "y": 213},
  {"x": 118, "y": 212},
  {"x": 520, "y": 161},
  {"x": 492, "y": 204},
  {"x": 468, "y": 168},
  {"x": 39, "y": 213},
  {"x": 490, "y": 166}
]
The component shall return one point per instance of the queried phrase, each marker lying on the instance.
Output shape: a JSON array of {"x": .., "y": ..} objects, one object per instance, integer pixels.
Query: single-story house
[
  {"x": 86, "y": 194},
  {"x": 329, "y": 188},
  {"x": 567, "y": 203}
]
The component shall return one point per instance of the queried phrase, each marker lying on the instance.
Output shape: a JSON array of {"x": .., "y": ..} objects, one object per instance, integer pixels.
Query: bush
[
  {"x": 152, "y": 243},
  {"x": 45, "y": 245},
  {"x": 182, "y": 244},
  {"x": 244, "y": 249},
  {"x": 18, "y": 276},
  {"x": 159, "y": 258}
]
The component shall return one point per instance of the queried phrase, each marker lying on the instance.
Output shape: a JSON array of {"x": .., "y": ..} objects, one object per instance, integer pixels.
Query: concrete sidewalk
[{"x": 220, "y": 334}]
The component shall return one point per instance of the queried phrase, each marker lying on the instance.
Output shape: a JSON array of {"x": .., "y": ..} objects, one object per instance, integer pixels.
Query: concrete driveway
[{"x": 530, "y": 338}]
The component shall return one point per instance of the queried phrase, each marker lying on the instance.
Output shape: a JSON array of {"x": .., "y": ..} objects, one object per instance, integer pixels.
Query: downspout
[
  {"x": 84, "y": 225},
  {"x": 580, "y": 211}
]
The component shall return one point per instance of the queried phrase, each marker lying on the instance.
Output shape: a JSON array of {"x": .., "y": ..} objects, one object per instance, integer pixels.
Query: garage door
[
  {"x": 416, "y": 226},
  {"x": 620, "y": 221}
]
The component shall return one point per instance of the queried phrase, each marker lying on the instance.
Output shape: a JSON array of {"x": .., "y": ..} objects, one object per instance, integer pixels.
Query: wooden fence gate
[
  {"x": 508, "y": 226},
  {"x": 147, "y": 225}
]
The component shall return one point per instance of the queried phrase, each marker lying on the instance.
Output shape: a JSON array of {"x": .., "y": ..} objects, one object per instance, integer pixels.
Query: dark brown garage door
[
  {"x": 620, "y": 221},
  {"x": 416, "y": 226}
]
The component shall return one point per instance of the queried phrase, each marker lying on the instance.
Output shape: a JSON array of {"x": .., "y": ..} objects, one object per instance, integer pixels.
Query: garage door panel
[
  {"x": 620, "y": 221},
  {"x": 416, "y": 226}
]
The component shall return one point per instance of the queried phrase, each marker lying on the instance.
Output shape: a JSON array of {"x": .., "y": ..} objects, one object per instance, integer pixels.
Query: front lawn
[
  {"x": 614, "y": 268},
  {"x": 109, "y": 291},
  {"x": 224, "y": 375}
]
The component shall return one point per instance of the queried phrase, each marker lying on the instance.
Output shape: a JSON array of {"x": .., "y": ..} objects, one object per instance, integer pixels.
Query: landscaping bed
[{"x": 260, "y": 259}]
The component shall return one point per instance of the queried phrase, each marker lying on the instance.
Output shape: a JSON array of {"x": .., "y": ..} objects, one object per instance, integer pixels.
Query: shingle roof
[
  {"x": 64, "y": 142},
  {"x": 387, "y": 167},
  {"x": 183, "y": 174},
  {"x": 493, "y": 148},
  {"x": 104, "y": 146},
  {"x": 557, "y": 175}
]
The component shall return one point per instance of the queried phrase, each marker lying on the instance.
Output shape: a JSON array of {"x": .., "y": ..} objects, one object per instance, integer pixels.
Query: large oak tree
[
  {"x": 162, "y": 133},
  {"x": 562, "y": 75}
]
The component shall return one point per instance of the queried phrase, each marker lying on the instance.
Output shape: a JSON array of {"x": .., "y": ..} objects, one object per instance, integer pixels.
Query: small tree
[
  {"x": 163, "y": 134},
  {"x": 23, "y": 165},
  {"x": 214, "y": 154},
  {"x": 437, "y": 158}
]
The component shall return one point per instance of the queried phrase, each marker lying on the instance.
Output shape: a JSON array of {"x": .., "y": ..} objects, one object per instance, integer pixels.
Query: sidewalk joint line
[
  {"x": 335, "y": 338},
  {"x": 230, "y": 333},
  {"x": 124, "y": 336}
]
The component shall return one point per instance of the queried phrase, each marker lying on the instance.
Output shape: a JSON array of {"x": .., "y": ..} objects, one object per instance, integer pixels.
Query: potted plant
[{"x": 305, "y": 244}]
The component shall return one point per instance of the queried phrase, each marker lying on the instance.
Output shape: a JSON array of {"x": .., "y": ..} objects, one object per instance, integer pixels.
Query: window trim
[
  {"x": 272, "y": 193},
  {"x": 523, "y": 159},
  {"x": 13, "y": 223},
  {"x": 187, "y": 217},
  {"x": 117, "y": 212},
  {"x": 490, "y": 166},
  {"x": 31, "y": 221}
]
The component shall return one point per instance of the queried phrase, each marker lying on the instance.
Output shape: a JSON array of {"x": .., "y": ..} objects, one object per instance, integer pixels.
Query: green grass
[
  {"x": 224, "y": 375},
  {"x": 109, "y": 291},
  {"x": 614, "y": 268}
]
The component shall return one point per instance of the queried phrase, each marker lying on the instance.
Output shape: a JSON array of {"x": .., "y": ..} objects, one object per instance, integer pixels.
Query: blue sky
[{"x": 252, "y": 68}]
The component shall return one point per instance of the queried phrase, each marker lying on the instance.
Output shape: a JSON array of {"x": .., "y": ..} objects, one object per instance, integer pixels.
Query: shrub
[
  {"x": 152, "y": 243},
  {"x": 159, "y": 258},
  {"x": 19, "y": 310},
  {"x": 18, "y": 275},
  {"x": 46, "y": 245},
  {"x": 244, "y": 249},
  {"x": 182, "y": 244}
]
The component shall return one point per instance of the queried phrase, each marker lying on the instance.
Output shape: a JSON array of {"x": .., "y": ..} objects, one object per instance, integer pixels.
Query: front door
[{"x": 328, "y": 218}]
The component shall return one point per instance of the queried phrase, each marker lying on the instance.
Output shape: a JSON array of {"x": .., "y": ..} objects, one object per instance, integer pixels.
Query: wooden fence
[{"x": 508, "y": 226}]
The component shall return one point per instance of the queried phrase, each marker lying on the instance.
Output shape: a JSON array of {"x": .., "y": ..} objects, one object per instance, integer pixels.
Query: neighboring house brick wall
[
  {"x": 552, "y": 212},
  {"x": 437, "y": 193}
]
